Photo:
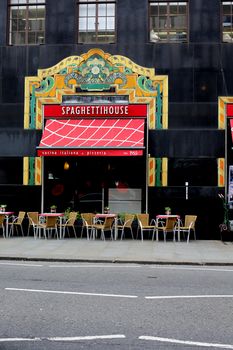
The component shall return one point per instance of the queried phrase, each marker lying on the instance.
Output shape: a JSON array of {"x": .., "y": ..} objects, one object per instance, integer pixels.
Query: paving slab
[{"x": 132, "y": 251}]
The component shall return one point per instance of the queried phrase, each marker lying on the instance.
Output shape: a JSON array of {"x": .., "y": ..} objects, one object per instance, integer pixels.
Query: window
[
  {"x": 168, "y": 21},
  {"x": 26, "y": 22},
  {"x": 227, "y": 21},
  {"x": 195, "y": 171},
  {"x": 96, "y": 21}
]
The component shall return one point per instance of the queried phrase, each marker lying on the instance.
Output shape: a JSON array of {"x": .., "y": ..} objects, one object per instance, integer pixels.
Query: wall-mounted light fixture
[{"x": 66, "y": 166}]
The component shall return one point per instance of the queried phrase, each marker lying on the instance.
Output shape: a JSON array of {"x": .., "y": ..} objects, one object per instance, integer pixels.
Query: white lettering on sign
[{"x": 90, "y": 110}]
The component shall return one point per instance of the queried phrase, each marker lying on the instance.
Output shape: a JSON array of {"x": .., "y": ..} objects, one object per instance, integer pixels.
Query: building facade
[{"x": 180, "y": 51}]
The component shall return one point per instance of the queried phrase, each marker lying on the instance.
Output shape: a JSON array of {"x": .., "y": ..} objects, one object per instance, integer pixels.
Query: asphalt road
[{"x": 112, "y": 306}]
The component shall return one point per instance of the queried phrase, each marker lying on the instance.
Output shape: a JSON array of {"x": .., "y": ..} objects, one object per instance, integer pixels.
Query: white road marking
[
  {"x": 191, "y": 268},
  {"x": 19, "y": 264},
  {"x": 114, "y": 336},
  {"x": 71, "y": 293},
  {"x": 18, "y": 339},
  {"x": 186, "y": 342},
  {"x": 188, "y": 296},
  {"x": 96, "y": 266},
  {"x": 94, "y": 337},
  {"x": 168, "y": 267}
]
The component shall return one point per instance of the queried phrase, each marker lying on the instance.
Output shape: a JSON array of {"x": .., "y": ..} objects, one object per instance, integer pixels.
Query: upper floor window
[
  {"x": 168, "y": 21},
  {"x": 26, "y": 22},
  {"x": 227, "y": 21},
  {"x": 96, "y": 21}
]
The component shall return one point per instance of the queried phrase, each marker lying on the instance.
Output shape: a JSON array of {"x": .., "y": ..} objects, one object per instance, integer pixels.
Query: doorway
[{"x": 83, "y": 183}]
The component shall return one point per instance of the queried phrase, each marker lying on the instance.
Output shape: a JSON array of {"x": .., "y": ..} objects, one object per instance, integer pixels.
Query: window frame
[
  {"x": 169, "y": 29},
  {"x": 96, "y": 30},
  {"x": 227, "y": 40},
  {"x": 26, "y": 4}
]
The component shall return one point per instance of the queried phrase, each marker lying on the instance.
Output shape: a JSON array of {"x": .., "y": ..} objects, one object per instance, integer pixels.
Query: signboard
[
  {"x": 88, "y": 152},
  {"x": 230, "y": 184},
  {"x": 229, "y": 109},
  {"x": 81, "y": 111}
]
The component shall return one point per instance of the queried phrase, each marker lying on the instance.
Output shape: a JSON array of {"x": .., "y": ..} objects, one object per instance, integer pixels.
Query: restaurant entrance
[{"x": 83, "y": 183}]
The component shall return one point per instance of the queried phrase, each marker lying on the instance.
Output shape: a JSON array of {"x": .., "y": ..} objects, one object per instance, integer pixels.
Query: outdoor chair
[
  {"x": 2, "y": 226},
  {"x": 69, "y": 224},
  {"x": 49, "y": 226},
  {"x": 189, "y": 225},
  {"x": 17, "y": 223},
  {"x": 144, "y": 225},
  {"x": 87, "y": 223},
  {"x": 103, "y": 227},
  {"x": 33, "y": 221},
  {"x": 126, "y": 225},
  {"x": 165, "y": 226}
]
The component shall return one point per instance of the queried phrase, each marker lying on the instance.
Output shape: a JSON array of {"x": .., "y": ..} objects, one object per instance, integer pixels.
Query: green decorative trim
[
  {"x": 146, "y": 84},
  {"x": 32, "y": 115},
  {"x": 158, "y": 172},
  {"x": 46, "y": 85},
  {"x": 159, "y": 103},
  {"x": 95, "y": 75},
  {"x": 31, "y": 177}
]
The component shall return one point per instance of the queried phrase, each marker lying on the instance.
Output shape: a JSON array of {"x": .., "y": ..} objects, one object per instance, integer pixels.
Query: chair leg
[
  {"x": 102, "y": 235},
  {"x": 74, "y": 232},
  {"x": 131, "y": 233}
]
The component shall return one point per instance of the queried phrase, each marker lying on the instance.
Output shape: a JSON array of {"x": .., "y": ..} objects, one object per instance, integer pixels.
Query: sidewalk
[{"x": 126, "y": 251}]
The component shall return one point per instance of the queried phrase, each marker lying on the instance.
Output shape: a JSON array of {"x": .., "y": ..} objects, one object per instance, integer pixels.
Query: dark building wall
[{"x": 199, "y": 71}]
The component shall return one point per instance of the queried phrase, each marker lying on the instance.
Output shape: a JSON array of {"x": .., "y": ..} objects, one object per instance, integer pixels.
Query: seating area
[{"x": 91, "y": 226}]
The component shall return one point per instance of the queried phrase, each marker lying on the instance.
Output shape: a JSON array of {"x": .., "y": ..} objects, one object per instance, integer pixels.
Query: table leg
[
  {"x": 60, "y": 228},
  {"x": 115, "y": 229},
  {"x": 157, "y": 231},
  {"x": 7, "y": 226},
  {"x": 178, "y": 234}
]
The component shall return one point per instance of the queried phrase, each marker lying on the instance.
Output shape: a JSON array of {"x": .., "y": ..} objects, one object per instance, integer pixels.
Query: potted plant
[
  {"x": 106, "y": 210},
  {"x": 53, "y": 208},
  {"x": 67, "y": 213},
  {"x": 167, "y": 210},
  {"x": 3, "y": 207}
]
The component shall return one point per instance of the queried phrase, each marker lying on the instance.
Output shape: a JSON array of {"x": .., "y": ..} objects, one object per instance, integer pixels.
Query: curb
[{"x": 116, "y": 261}]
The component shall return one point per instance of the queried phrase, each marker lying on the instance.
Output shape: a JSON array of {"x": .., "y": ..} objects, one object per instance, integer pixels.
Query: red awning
[{"x": 97, "y": 137}]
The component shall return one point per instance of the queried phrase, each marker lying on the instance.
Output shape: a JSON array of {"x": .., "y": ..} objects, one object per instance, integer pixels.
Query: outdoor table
[
  {"x": 103, "y": 216},
  {"x": 7, "y": 215},
  {"x": 59, "y": 215},
  {"x": 160, "y": 217}
]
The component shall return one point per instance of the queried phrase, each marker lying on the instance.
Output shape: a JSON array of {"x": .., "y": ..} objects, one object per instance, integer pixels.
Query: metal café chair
[
  {"x": 17, "y": 223},
  {"x": 49, "y": 226},
  {"x": 126, "y": 225},
  {"x": 87, "y": 223},
  {"x": 2, "y": 226},
  {"x": 104, "y": 227},
  {"x": 144, "y": 225},
  {"x": 189, "y": 225},
  {"x": 33, "y": 221},
  {"x": 69, "y": 224},
  {"x": 165, "y": 227}
]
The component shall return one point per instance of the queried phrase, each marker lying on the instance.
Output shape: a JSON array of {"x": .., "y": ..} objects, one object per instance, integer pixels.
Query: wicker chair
[
  {"x": 189, "y": 225},
  {"x": 69, "y": 224},
  {"x": 105, "y": 227},
  {"x": 33, "y": 221},
  {"x": 126, "y": 225},
  {"x": 17, "y": 223},
  {"x": 87, "y": 223},
  {"x": 2, "y": 226},
  {"x": 144, "y": 225},
  {"x": 165, "y": 227}
]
